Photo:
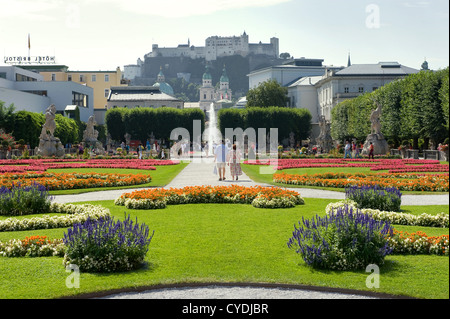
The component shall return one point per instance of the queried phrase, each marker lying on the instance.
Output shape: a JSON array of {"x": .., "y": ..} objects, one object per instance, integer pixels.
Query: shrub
[
  {"x": 343, "y": 240},
  {"x": 106, "y": 245},
  {"x": 375, "y": 197},
  {"x": 24, "y": 200}
]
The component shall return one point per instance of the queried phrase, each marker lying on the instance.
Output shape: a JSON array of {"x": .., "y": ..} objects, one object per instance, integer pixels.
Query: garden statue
[
  {"x": 375, "y": 120},
  {"x": 292, "y": 139},
  {"x": 325, "y": 140},
  {"x": 49, "y": 145},
  {"x": 376, "y": 138},
  {"x": 90, "y": 136}
]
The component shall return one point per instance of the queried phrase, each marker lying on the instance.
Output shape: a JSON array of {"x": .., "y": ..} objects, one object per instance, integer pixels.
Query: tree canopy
[{"x": 267, "y": 94}]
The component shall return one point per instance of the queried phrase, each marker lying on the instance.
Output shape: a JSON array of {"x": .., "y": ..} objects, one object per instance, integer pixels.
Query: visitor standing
[
  {"x": 371, "y": 151},
  {"x": 234, "y": 161},
  {"x": 220, "y": 157},
  {"x": 80, "y": 150},
  {"x": 347, "y": 150},
  {"x": 139, "y": 151},
  {"x": 353, "y": 149}
]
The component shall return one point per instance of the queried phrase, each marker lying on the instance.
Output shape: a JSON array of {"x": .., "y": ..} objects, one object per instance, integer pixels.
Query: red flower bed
[
  {"x": 392, "y": 165},
  {"x": 41, "y": 165}
]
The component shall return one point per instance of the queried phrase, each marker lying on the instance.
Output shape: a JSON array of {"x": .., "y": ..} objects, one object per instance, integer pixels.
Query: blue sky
[{"x": 105, "y": 34}]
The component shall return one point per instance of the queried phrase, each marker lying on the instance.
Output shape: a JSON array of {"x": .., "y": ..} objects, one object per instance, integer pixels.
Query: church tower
[
  {"x": 207, "y": 91},
  {"x": 224, "y": 91}
]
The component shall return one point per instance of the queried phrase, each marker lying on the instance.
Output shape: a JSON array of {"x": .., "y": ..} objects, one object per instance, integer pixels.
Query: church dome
[
  {"x": 164, "y": 87},
  {"x": 207, "y": 75}
]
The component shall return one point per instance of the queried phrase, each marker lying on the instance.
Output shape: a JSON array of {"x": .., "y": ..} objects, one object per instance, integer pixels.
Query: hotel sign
[{"x": 44, "y": 59}]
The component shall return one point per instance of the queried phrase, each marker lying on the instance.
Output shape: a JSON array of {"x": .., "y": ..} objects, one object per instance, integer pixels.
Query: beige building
[{"x": 100, "y": 81}]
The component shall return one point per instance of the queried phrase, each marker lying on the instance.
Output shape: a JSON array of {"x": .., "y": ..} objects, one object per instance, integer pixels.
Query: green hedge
[
  {"x": 140, "y": 123},
  {"x": 286, "y": 120}
]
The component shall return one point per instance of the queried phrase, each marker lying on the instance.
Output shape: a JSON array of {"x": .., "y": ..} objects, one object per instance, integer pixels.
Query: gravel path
[{"x": 202, "y": 174}]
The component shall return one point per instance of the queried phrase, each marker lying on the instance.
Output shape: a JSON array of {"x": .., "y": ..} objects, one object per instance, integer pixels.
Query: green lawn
[
  {"x": 253, "y": 171},
  {"x": 162, "y": 176},
  {"x": 223, "y": 243}
]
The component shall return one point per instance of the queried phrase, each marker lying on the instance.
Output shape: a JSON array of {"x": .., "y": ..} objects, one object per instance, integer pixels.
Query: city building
[
  {"x": 141, "y": 96},
  {"x": 302, "y": 94},
  {"x": 288, "y": 72},
  {"x": 28, "y": 91},
  {"x": 355, "y": 80},
  {"x": 100, "y": 81}
]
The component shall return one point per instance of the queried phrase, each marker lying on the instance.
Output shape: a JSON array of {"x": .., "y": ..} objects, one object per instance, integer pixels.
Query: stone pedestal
[
  {"x": 50, "y": 147},
  {"x": 380, "y": 145}
]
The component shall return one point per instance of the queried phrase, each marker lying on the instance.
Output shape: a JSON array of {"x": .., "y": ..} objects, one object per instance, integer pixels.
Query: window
[
  {"x": 69, "y": 77},
  {"x": 94, "y": 78},
  {"x": 361, "y": 89},
  {"x": 346, "y": 89},
  {"x": 80, "y": 99},
  {"x": 53, "y": 77},
  {"x": 81, "y": 78},
  {"x": 374, "y": 88},
  {"x": 106, "y": 77},
  {"x": 2, "y": 75},
  {"x": 106, "y": 92}
]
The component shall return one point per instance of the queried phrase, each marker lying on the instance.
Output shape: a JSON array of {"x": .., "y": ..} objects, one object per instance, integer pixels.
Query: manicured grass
[
  {"x": 162, "y": 176},
  {"x": 253, "y": 171},
  {"x": 222, "y": 243}
]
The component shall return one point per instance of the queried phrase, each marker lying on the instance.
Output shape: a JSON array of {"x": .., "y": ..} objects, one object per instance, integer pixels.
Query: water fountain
[{"x": 212, "y": 133}]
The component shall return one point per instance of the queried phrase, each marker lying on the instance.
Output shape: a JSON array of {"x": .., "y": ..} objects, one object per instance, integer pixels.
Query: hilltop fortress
[{"x": 216, "y": 46}]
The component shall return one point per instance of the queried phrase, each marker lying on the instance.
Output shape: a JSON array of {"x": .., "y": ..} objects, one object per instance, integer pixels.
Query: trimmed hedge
[
  {"x": 286, "y": 120},
  {"x": 140, "y": 123}
]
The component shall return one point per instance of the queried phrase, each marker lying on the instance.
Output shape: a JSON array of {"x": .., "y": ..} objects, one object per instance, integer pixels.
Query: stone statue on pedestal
[
  {"x": 325, "y": 140},
  {"x": 380, "y": 145},
  {"x": 49, "y": 145},
  {"x": 90, "y": 136}
]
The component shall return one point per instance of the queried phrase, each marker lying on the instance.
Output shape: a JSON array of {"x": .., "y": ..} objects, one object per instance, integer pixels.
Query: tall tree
[{"x": 267, "y": 94}]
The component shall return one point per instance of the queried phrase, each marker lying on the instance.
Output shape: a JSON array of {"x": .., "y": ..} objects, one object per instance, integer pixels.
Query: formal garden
[{"x": 151, "y": 235}]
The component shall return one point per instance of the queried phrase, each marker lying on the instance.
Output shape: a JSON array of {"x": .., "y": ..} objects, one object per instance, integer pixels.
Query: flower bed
[
  {"x": 392, "y": 165},
  {"x": 260, "y": 197},
  {"x": 419, "y": 243},
  {"x": 34, "y": 246},
  {"x": 42, "y": 165},
  {"x": 404, "y": 182},
  {"x": 72, "y": 214},
  {"x": 425, "y": 220},
  {"x": 59, "y": 181}
]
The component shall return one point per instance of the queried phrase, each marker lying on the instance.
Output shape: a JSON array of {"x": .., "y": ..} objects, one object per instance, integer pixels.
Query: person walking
[
  {"x": 220, "y": 157},
  {"x": 234, "y": 161}
]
